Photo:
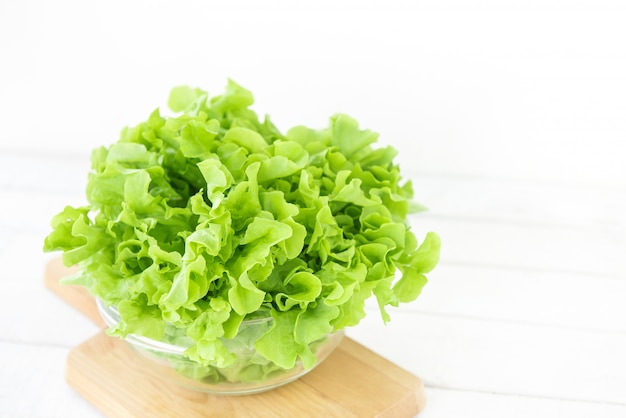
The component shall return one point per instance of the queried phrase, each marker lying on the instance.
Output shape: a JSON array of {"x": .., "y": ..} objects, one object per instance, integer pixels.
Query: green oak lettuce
[{"x": 202, "y": 220}]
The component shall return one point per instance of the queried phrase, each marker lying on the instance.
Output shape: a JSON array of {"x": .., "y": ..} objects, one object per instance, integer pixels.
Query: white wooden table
[{"x": 510, "y": 118}]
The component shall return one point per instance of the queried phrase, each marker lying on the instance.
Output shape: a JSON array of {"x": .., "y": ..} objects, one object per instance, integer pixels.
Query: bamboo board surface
[{"x": 352, "y": 382}]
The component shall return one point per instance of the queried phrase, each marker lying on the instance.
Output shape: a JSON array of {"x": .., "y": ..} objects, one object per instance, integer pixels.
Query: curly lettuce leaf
[{"x": 199, "y": 221}]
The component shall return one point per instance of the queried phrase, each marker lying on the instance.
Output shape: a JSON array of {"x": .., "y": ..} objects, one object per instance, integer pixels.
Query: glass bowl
[{"x": 251, "y": 373}]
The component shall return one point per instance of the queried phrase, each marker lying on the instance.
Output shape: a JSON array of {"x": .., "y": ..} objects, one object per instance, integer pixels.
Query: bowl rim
[{"x": 111, "y": 317}]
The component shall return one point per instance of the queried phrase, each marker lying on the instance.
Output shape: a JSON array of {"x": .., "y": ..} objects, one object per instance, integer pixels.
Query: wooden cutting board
[{"x": 352, "y": 382}]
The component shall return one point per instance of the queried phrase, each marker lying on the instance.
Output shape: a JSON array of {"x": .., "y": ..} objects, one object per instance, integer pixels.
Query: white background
[{"x": 510, "y": 118}]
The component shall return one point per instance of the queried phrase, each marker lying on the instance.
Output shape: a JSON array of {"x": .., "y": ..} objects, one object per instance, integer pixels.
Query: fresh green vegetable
[{"x": 202, "y": 220}]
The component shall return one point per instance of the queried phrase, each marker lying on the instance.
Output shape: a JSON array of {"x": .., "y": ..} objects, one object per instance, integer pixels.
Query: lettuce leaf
[{"x": 203, "y": 219}]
